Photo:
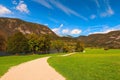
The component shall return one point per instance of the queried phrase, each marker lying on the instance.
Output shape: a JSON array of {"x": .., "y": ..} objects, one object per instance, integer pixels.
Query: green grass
[
  {"x": 94, "y": 64},
  {"x": 9, "y": 61}
]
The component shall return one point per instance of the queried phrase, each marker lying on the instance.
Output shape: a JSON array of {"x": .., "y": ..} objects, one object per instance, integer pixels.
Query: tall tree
[
  {"x": 39, "y": 43},
  {"x": 18, "y": 44},
  {"x": 33, "y": 42},
  {"x": 57, "y": 44},
  {"x": 47, "y": 44},
  {"x": 79, "y": 46}
]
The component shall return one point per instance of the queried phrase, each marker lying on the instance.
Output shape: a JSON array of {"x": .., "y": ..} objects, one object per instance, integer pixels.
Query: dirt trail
[
  {"x": 68, "y": 54},
  {"x": 37, "y": 69}
]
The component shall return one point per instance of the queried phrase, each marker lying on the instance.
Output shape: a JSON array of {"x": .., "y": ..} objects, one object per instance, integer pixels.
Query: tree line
[{"x": 33, "y": 43}]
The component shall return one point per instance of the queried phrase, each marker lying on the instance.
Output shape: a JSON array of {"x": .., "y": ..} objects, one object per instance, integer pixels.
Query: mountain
[
  {"x": 111, "y": 40},
  {"x": 11, "y": 25}
]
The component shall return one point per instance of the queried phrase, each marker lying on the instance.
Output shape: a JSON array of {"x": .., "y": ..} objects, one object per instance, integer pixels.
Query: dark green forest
[{"x": 19, "y": 43}]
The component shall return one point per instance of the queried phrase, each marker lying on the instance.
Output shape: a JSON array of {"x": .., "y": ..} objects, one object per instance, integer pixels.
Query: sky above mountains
[{"x": 66, "y": 17}]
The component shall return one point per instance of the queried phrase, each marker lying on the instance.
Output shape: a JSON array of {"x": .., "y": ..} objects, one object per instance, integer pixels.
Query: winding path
[{"x": 37, "y": 69}]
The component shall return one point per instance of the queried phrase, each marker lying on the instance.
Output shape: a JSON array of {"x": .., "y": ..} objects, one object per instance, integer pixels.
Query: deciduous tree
[
  {"x": 58, "y": 45},
  {"x": 18, "y": 44},
  {"x": 79, "y": 46}
]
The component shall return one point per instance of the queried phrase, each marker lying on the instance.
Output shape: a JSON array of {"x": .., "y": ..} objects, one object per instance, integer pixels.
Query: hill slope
[
  {"x": 11, "y": 25},
  {"x": 111, "y": 40}
]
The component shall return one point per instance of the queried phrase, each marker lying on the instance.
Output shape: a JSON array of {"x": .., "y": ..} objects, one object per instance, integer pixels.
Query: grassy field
[
  {"x": 94, "y": 64},
  {"x": 9, "y": 61}
]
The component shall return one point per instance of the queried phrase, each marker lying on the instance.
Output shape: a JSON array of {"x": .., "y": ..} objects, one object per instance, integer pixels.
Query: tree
[
  {"x": 47, "y": 44},
  {"x": 18, "y": 44},
  {"x": 33, "y": 42},
  {"x": 69, "y": 46},
  {"x": 79, "y": 46},
  {"x": 39, "y": 43},
  {"x": 57, "y": 44}
]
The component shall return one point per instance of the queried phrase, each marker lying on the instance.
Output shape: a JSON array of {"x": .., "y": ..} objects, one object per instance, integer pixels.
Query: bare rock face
[
  {"x": 2, "y": 41},
  {"x": 12, "y": 25}
]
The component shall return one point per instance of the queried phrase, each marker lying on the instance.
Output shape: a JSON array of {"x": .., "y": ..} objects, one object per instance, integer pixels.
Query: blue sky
[{"x": 66, "y": 17}]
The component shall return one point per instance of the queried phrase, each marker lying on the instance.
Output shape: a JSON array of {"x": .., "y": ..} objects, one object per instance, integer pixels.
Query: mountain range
[
  {"x": 111, "y": 40},
  {"x": 9, "y": 26}
]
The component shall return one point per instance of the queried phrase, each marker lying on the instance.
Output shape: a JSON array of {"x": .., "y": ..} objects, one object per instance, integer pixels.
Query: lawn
[
  {"x": 9, "y": 61},
  {"x": 94, "y": 64}
]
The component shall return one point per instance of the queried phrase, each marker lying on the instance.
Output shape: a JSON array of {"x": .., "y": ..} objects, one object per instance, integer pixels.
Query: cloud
[
  {"x": 44, "y": 3},
  {"x": 103, "y": 32},
  {"x": 54, "y": 20},
  {"x": 14, "y": 2},
  {"x": 109, "y": 11},
  {"x": 57, "y": 30},
  {"x": 46, "y": 24},
  {"x": 4, "y": 10},
  {"x": 97, "y": 3},
  {"x": 92, "y": 16},
  {"x": 76, "y": 31},
  {"x": 65, "y": 31},
  {"x": 71, "y": 32},
  {"x": 102, "y": 29},
  {"x": 66, "y": 10},
  {"x": 50, "y": 4},
  {"x": 22, "y": 7},
  {"x": 108, "y": 29}
]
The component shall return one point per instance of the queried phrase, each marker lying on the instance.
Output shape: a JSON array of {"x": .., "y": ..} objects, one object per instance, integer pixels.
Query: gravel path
[
  {"x": 37, "y": 69},
  {"x": 68, "y": 54}
]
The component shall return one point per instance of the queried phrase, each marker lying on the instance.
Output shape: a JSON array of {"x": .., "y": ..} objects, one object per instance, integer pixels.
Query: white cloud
[
  {"x": 104, "y": 14},
  {"x": 104, "y": 29},
  {"x": 103, "y": 32},
  {"x": 54, "y": 20},
  {"x": 14, "y": 2},
  {"x": 97, "y": 3},
  {"x": 57, "y": 30},
  {"x": 92, "y": 16},
  {"x": 53, "y": 3},
  {"x": 22, "y": 7},
  {"x": 61, "y": 25},
  {"x": 76, "y": 31},
  {"x": 109, "y": 11},
  {"x": 108, "y": 29},
  {"x": 45, "y": 3},
  {"x": 65, "y": 31},
  {"x": 46, "y": 24},
  {"x": 71, "y": 32},
  {"x": 67, "y": 10},
  {"x": 4, "y": 10}
]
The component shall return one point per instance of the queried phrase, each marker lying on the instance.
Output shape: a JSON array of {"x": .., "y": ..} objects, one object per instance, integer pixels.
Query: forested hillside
[{"x": 110, "y": 40}]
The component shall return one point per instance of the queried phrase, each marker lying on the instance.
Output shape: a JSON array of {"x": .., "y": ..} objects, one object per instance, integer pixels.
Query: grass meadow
[{"x": 94, "y": 64}]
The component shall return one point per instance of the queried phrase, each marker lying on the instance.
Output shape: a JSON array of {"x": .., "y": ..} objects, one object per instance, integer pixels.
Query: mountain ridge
[
  {"x": 11, "y": 25},
  {"x": 110, "y": 39}
]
